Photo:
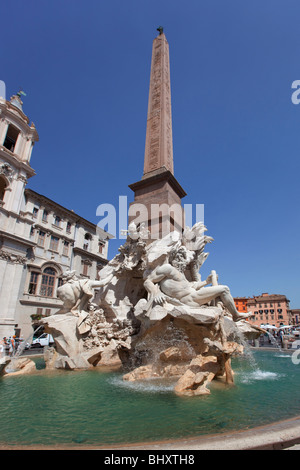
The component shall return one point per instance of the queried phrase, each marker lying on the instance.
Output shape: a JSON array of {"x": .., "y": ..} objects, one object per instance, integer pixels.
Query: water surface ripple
[{"x": 94, "y": 407}]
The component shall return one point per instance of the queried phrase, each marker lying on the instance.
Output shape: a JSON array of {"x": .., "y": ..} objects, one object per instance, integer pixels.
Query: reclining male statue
[{"x": 169, "y": 280}]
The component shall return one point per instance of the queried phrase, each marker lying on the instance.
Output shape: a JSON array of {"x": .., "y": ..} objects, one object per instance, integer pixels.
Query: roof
[
  {"x": 268, "y": 298},
  {"x": 69, "y": 213}
]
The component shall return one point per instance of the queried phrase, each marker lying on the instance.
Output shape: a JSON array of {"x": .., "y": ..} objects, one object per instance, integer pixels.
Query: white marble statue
[
  {"x": 76, "y": 293},
  {"x": 186, "y": 328},
  {"x": 173, "y": 284}
]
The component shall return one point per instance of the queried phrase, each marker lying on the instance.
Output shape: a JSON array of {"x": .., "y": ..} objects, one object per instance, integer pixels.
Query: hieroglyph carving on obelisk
[{"x": 159, "y": 142}]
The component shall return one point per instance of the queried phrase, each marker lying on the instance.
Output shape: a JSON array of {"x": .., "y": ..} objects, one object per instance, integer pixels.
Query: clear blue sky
[{"x": 85, "y": 67}]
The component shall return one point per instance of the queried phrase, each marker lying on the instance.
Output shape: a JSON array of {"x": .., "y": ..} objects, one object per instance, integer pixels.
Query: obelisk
[
  {"x": 159, "y": 142},
  {"x": 158, "y": 190}
]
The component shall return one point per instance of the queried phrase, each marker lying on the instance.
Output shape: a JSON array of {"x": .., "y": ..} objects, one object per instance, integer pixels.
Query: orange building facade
[
  {"x": 266, "y": 308},
  {"x": 241, "y": 304}
]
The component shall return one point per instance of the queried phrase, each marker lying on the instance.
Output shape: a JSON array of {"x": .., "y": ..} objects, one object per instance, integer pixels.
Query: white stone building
[{"x": 39, "y": 239}]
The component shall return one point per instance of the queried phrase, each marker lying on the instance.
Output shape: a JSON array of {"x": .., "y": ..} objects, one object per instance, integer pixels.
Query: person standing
[{"x": 2, "y": 348}]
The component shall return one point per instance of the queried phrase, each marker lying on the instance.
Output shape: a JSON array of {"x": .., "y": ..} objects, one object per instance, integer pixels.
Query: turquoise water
[{"x": 93, "y": 407}]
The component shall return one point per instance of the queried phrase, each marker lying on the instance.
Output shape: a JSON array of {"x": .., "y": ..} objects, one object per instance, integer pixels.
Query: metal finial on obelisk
[{"x": 160, "y": 29}]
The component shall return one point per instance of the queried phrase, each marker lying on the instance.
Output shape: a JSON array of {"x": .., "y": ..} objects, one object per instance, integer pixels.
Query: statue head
[
  {"x": 180, "y": 258},
  {"x": 68, "y": 275}
]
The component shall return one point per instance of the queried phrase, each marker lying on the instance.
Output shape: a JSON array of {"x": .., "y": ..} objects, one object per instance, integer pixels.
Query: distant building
[
  {"x": 39, "y": 238},
  {"x": 295, "y": 316},
  {"x": 269, "y": 308},
  {"x": 241, "y": 304}
]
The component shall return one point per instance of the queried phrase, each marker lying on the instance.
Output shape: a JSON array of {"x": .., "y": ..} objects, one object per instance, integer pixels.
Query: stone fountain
[{"x": 151, "y": 314}]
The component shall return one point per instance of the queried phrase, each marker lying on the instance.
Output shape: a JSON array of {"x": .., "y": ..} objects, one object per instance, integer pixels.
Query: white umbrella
[
  {"x": 269, "y": 327},
  {"x": 285, "y": 326}
]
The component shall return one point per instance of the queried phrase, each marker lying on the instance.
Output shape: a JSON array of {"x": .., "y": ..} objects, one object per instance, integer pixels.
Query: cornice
[
  {"x": 10, "y": 236},
  {"x": 157, "y": 176},
  {"x": 88, "y": 254},
  {"x": 270, "y": 298},
  {"x": 75, "y": 218},
  {"x": 21, "y": 119}
]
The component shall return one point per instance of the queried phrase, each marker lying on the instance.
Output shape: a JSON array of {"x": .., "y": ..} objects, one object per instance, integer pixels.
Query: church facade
[{"x": 39, "y": 238}]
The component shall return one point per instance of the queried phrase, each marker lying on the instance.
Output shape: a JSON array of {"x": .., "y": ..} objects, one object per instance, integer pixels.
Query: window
[
  {"x": 11, "y": 138},
  {"x": 54, "y": 243},
  {"x": 45, "y": 216},
  {"x": 85, "y": 267},
  {"x": 87, "y": 241},
  {"x": 33, "y": 283},
  {"x": 35, "y": 211},
  {"x": 101, "y": 248},
  {"x": 44, "y": 335},
  {"x": 85, "y": 270},
  {"x": 57, "y": 221},
  {"x": 41, "y": 239},
  {"x": 66, "y": 248},
  {"x": 48, "y": 282},
  {"x": 69, "y": 227}
]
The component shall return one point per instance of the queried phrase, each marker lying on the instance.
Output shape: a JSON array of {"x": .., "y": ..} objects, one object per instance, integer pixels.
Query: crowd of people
[{"x": 8, "y": 346}]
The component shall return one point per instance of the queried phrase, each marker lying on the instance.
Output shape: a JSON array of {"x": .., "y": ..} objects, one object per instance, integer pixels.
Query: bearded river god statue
[{"x": 151, "y": 314}]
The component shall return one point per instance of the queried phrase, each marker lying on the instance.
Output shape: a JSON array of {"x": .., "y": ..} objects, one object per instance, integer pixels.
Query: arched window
[
  {"x": 3, "y": 186},
  {"x": 48, "y": 282}
]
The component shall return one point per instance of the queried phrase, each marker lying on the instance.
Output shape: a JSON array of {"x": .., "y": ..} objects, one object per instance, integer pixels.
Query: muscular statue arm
[
  {"x": 156, "y": 276},
  {"x": 197, "y": 285},
  {"x": 101, "y": 283}
]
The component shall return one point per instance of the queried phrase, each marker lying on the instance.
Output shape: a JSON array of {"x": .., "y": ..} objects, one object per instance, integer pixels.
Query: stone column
[
  {"x": 3, "y": 130},
  {"x": 10, "y": 274}
]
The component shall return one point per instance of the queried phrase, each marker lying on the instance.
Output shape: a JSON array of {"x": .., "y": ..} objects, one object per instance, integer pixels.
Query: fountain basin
[{"x": 97, "y": 408}]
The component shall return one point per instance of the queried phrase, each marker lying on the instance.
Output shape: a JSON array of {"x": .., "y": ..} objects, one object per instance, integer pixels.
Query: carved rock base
[{"x": 21, "y": 365}]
